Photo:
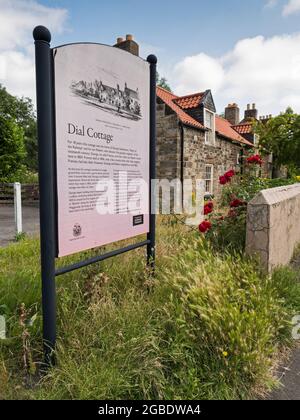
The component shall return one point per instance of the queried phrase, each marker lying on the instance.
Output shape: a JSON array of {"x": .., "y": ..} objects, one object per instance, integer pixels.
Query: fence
[{"x": 29, "y": 194}]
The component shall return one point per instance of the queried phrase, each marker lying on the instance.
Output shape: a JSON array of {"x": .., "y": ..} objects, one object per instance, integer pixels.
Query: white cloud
[
  {"x": 17, "y": 20},
  {"x": 197, "y": 72},
  {"x": 261, "y": 70},
  {"x": 293, "y": 6},
  {"x": 270, "y": 4}
]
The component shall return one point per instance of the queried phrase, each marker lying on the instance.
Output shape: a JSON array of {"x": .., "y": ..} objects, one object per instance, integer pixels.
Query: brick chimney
[
  {"x": 251, "y": 112},
  {"x": 232, "y": 114},
  {"x": 128, "y": 45}
]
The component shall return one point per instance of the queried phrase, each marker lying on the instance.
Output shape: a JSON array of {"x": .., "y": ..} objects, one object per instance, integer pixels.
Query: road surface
[{"x": 7, "y": 222}]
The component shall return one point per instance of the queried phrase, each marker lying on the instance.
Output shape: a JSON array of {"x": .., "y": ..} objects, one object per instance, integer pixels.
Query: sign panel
[{"x": 102, "y": 146}]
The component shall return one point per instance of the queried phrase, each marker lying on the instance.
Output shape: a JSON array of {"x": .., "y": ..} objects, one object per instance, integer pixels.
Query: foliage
[
  {"x": 20, "y": 110},
  {"x": 162, "y": 82},
  {"x": 206, "y": 327},
  {"x": 227, "y": 228},
  {"x": 281, "y": 136},
  {"x": 229, "y": 232},
  {"x": 246, "y": 187},
  {"x": 23, "y": 175},
  {"x": 12, "y": 150},
  {"x": 20, "y": 237}
]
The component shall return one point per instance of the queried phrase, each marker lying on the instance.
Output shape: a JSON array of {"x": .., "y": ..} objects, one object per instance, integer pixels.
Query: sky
[{"x": 245, "y": 52}]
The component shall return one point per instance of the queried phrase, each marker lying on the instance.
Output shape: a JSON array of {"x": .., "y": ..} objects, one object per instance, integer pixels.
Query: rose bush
[{"x": 226, "y": 228}]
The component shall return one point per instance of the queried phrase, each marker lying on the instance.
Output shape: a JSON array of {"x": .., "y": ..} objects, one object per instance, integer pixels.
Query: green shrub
[
  {"x": 228, "y": 233},
  {"x": 12, "y": 148},
  {"x": 206, "y": 327},
  {"x": 22, "y": 175},
  {"x": 228, "y": 230},
  {"x": 247, "y": 187}
]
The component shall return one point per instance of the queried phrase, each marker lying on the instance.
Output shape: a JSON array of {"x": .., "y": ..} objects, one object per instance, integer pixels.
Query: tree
[
  {"x": 281, "y": 137},
  {"x": 12, "y": 149},
  {"x": 21, "y": 111},
  {"x": 162, "y": 82}
]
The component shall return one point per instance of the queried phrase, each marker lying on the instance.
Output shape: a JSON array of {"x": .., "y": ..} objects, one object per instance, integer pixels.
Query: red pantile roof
[
  {"x": 176, "y": 103},
  {"x": 224, "y": 128},
  {"x": 244, "y": 128},
  {"x": 190, "y": 101},
  {"x": 170, "y": 100}
]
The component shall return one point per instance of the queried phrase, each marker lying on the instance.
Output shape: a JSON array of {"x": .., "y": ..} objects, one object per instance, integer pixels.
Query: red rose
[
  {"x": 208, "y": 208},
  {"x": 229, "y": 174},
  {"x": 256, "y": 160},
  {"x": 205, "y": 226},
  {"x": 223, "y": 180},
  {"x": 237, "y": 203}
]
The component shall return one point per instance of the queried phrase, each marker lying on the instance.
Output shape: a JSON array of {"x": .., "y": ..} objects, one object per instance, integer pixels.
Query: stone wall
[
  {"x": 223, "y": 155},
  {"x": 168, "y": 148},
  {"x": 273, "y": 228}
]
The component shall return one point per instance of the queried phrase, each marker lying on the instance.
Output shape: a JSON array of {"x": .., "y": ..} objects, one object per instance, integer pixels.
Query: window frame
[
  {"x": 211, "y": 131},
  {"x": 211, "y": 179}
]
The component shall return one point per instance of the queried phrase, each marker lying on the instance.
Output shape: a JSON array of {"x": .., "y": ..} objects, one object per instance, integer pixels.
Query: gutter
[{"x": 181, "y": 157}]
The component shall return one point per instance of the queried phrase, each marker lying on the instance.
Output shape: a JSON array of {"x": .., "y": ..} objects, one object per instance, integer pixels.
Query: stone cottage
[
  {"x": 193, "y": 142},
  {"x": 245, "y": 128}
]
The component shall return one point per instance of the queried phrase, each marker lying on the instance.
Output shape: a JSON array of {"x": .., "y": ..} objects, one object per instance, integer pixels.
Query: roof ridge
[
  {"x": 242, "y": 123},
  {"x": 167, "y": 91},
  {"x": 191, "y": 95},
  {"x": 185, "y": 118}
]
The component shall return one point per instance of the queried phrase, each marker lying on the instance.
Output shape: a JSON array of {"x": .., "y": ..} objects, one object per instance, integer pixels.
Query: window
[
  {"x": 208, "y": 178},
  {"x": 209, "y": 122}
]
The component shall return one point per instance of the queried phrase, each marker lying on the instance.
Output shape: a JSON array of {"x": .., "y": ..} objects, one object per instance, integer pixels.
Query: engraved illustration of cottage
[{"x": 125, "y": 103}]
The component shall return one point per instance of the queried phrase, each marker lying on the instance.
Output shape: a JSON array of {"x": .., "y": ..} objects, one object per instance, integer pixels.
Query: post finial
[
  {"x": 152, "y": 59},
  {"x": 41, "y": 33}
]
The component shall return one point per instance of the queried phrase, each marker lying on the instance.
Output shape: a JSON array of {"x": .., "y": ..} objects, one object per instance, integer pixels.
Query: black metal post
[
  {"x": 151, "y": 235},
  {"x": 44, "y": 90}
]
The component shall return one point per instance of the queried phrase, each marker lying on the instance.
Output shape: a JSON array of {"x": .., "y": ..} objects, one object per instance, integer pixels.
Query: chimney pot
[
  {"x": 251, "y": 112},
  {"x": 128, "y": 45},
  {"x": 232, "y": 113}
]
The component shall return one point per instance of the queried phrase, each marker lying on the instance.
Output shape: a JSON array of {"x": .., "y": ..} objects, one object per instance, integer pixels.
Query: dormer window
[{"x": 209, "y": 121}]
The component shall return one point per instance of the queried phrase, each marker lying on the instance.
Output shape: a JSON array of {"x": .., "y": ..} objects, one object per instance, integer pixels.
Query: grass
[{"x": 208, "y": 326}]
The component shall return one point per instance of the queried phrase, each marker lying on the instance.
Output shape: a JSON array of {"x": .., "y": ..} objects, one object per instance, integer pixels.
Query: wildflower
[
  {"x": 225, "y": 353},
  {"x": 205, "y": 226}
]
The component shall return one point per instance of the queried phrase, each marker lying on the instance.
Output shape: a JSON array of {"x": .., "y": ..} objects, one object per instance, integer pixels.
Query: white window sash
[
  {"x": 210, "y": 179},
  {"x": 210, "y": 136}
]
